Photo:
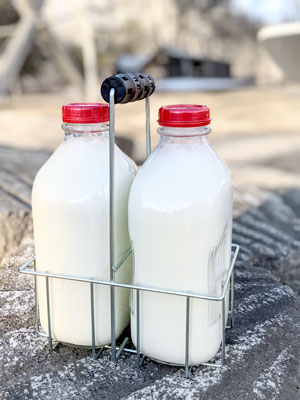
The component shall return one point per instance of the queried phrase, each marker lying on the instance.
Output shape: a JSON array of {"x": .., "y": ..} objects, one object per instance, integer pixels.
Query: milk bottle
[
  {"x": 70, "y": 203},
  {"x": 180, "y": 221}
]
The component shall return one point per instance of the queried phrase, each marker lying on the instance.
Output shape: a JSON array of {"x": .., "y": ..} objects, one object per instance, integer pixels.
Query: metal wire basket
[{"x": 30, "y": 267}]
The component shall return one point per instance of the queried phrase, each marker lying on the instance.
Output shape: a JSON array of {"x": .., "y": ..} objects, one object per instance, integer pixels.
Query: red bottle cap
[
  {"x": 184, "y": 115},
  {"x": 85, "y": 113}
]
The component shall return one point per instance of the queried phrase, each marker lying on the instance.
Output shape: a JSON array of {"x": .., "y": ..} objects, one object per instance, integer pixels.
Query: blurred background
[
  {"x": 213, "y": 52},
  {"x": 239, "y": 57}
]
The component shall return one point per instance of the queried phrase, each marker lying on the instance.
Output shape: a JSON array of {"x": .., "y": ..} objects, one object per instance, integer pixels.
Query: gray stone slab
[{"x": 17, "y": 170}]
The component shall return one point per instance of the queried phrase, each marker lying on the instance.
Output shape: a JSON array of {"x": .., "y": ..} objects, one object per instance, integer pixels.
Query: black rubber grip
[{"x": 128, "y": 87}]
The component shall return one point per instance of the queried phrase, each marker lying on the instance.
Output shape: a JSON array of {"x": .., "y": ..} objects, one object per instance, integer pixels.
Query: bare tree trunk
[
  {"x": 18, "y": 47},
  {"x": 89, "y": 53},
  {"x": 63, "y": 60}
]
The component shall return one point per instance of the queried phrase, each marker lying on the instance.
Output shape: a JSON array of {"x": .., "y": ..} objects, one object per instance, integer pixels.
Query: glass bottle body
[
  {"x": 70, "y": 202},
  {"x": 180, "y": 221}
]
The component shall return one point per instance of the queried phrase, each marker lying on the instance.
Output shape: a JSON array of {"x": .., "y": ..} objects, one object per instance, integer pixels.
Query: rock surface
[
  {"x": 17, "y": 171},
  {"x": 263, "y": 349},
  {"x": 269, "y": 233}
]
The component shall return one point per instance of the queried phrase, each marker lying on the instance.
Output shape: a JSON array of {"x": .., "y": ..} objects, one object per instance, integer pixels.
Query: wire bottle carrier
[{"x": 124, "y": 88}]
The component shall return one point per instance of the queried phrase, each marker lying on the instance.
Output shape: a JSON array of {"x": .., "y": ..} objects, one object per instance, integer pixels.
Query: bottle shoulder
[
  {"x": 82, "y": 155},
  {"x": 82, "y": 167},
  {"x": 180, "y": 176},
  {"x": 182, "y": 165}
]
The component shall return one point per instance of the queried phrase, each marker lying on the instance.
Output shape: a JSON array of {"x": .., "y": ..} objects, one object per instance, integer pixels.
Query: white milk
[
  {"x": 180, "y": 220},
  {"x": 71, "y": 218}
]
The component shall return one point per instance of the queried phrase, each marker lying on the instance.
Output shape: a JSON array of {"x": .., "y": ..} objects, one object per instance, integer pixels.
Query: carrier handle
[{"x": 129, "y": 87}]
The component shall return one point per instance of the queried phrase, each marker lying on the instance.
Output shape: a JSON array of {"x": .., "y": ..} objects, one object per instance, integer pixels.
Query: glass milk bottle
[
  {"x": 70, "y": 205},
  {"x": 180, "y": 222}
]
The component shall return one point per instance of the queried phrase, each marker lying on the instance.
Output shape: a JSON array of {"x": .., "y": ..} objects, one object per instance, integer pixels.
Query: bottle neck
[
  {"x": 85, "y": 130},
  {"x": 183, "y": 135}
]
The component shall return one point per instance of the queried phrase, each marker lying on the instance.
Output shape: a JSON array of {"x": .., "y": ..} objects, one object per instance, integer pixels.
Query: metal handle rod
[
  {"x": 112, "y": 219},
  {"x": 111, "y": 180},
  {"x": 232, "y": 298},
  {"x": 187, "y": 337},
  {"x": 138, "y": 327},
  {"x": 48, "y": 315},
  {"x": 93, "y": 321},
  {"x": 37, "y": 313},
  {"x": 223, "y": 331},
  {"x": 148, "y": 133}
]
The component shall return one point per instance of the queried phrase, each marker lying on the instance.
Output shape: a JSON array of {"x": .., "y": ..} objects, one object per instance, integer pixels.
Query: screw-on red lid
[
  {"x": 85, "y": 113},
  {"x": 184, "y": 115}
]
